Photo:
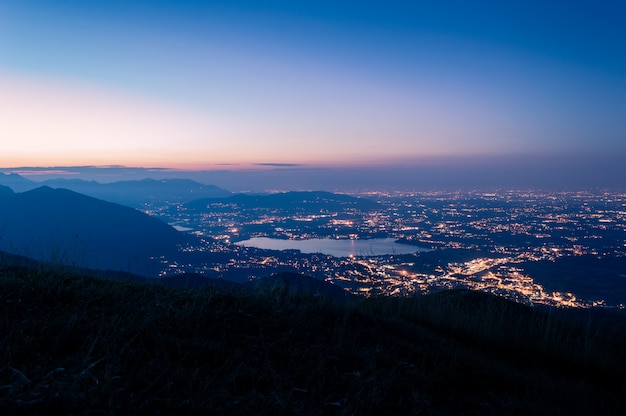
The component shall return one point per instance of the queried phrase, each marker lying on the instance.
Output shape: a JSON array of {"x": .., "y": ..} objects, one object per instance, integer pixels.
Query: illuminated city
[{"x": 503, "y": 242}]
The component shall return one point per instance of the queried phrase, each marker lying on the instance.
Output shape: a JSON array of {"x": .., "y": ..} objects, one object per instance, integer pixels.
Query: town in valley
[{"x": 552, "y": 248}]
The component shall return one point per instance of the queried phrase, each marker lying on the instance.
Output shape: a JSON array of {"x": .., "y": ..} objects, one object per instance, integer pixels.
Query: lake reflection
[{"x": 337, "y": 248}]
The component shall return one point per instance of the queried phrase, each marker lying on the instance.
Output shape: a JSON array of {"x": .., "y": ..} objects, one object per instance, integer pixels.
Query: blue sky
[{"x": 204, "y": 84}]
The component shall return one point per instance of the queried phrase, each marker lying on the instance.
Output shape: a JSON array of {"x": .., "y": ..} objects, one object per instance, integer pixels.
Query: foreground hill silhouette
[
  {"x": 73, "y": 344},
  {"x": 66, "y": 227}
]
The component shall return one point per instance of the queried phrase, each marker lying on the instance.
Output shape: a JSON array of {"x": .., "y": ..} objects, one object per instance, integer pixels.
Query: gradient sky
[{"x": 200, "y": 84}]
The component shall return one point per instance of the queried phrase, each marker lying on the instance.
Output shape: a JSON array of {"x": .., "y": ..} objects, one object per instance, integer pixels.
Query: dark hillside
[
  {"x": 66, "y": 227},
  {"x": 588, "y": 276},
  {"x": 304, "y": 202},
  {"x": 77, "y": 345},
  {"x": 5, "y": 192},
  {"x": 298, "y": 284}
]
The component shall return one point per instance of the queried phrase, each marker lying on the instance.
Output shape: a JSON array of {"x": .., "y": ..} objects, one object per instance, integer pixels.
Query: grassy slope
[{"x": 82, "y": 345}]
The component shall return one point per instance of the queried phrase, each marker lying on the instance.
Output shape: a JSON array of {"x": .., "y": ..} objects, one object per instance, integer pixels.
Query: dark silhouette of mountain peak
[
  {"x": 5, "y": 191},
  {"x": 68, "y": 227},
  {"x": 41, "y": 190},
  {"x": 299, "y": 284}
]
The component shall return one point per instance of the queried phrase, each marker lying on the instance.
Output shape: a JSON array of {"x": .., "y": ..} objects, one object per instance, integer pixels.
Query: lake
[{"x": 337, "y": 248}]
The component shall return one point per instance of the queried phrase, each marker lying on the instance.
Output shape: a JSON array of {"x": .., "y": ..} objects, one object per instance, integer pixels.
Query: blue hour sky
[{"x": 212, "y": 84}]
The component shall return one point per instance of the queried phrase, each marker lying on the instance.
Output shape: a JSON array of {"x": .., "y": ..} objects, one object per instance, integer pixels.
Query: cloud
[{"x": 290, "y": 165}]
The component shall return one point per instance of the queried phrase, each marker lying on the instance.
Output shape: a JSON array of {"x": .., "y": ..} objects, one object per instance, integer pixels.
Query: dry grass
[{"x": 80, "y": 345}]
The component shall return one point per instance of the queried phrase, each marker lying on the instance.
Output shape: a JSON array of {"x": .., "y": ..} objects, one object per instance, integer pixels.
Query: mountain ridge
[
  {"x": 68, "y": 227},
  {"x": 134, "y": 193},
  {"x": 300, "y": 200}
]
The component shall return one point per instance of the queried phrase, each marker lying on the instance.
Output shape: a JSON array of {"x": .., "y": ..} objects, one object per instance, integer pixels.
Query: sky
[{"x": 228, "y": 85}]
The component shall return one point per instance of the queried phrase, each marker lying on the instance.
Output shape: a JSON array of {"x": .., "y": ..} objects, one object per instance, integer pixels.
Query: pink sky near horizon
[
  {"x": 201, "y": 85},
  {"x": 49, "y": 122}
]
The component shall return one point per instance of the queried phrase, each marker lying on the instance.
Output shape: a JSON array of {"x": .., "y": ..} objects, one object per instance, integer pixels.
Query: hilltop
[
  {"x": 63, "y": 226},
  {"x": 76, "y": 344}
]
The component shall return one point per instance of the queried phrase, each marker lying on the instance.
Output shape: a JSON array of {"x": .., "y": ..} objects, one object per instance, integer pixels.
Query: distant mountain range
[
  {"x": 63, "y": 226},
  {"x": 130, "y": 193},
  {"x": 17, "y": 183}
]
